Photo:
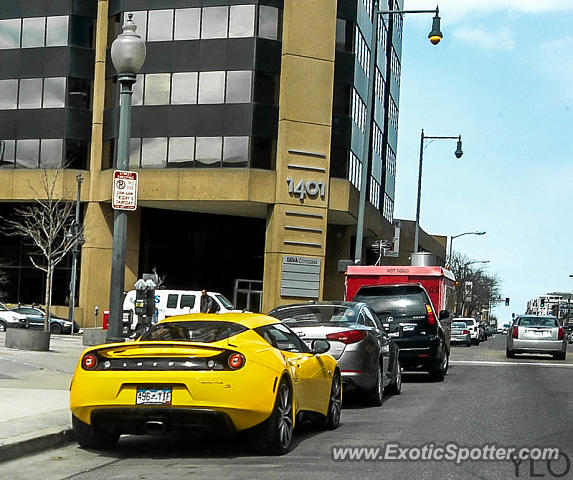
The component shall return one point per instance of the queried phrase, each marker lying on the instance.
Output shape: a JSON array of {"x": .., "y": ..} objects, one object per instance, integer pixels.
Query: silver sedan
[
  {"x": 536, "y": 334},
  {"x": 460, "y": 334}
]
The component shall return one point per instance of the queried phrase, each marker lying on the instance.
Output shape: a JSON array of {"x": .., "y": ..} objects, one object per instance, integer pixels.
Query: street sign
[{"x": 124, "y": 190}]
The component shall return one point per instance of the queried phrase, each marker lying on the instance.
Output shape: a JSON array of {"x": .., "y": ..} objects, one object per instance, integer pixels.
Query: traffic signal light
[
  {"x": 507, "y": 301},
  {"x": 542, "y": 302}
]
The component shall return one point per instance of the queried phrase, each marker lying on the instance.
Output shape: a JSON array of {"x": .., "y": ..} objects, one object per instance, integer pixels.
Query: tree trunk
[{"x": 48, "y": 298}]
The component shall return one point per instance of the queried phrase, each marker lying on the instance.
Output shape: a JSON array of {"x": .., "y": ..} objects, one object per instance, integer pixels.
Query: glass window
[
  {"x": 79, "y": 93},
  {"x": 236, "y": 152},
  {"x": 172, "y": 300},
  {"x": 187, "y": 301},
  {"x": 10, "y": 33},
  {"x": 134, "y": 152},
  {"x": 214, "y": 22},
  {"x": 268, "y": 22},
  {"x": 137, "y": 97},
  {"x": 33, "y": 32},
  {"x": 51, "y": 153},
  {"x": 81, "y": 31},
  {"x": 140, "y": 19},
  {"x": 157, "y": 88},
  {"x": 77, "y": 154},
  {"x": 30, "y": 93},
  {"x": 184, "y": 88},
  {"x": 242, "y": 21},
  {"x": 27, "y": 153},
  {"x": 160, "y": 25},
  {"x": 56, "y": 31},
  {"x": 208, "y": 151},
  {"x": 54, "y": 92},
  {"x": 211, "y": 87},
  {"x": 8, "y": 94},
  {"x": 181, "y": 152},
  {"x": 239, "y": 86},
  {"x": 153, "y": 152},
  {"x": 7, "y": 153},
  {"x": 187, "y": 23}
]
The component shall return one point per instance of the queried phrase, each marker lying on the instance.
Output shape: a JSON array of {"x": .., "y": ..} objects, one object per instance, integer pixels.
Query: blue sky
[{"x": 502, "y": 77}]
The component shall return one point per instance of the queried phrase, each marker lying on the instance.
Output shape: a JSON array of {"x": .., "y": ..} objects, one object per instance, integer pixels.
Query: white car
[
  {"x": 473, "y": 327},
  {"x": 9, "y": 318}
]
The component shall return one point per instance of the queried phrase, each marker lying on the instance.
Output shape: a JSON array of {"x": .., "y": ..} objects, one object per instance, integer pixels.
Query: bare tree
[
  {"x": 3, "y": 279},
  {"x": 485, "y": 288},
  {"x": 47, "y": 224}
]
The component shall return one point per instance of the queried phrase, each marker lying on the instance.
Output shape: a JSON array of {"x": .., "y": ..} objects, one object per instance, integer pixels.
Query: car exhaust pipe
[{"x": 155, "y": 427}]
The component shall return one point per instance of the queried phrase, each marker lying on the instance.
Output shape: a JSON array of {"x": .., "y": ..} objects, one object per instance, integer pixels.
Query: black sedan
[{"x": 37, "y": 319}]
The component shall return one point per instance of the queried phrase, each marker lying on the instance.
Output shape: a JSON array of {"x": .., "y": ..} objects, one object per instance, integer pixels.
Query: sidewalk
[{"x": 34, "y": 391}]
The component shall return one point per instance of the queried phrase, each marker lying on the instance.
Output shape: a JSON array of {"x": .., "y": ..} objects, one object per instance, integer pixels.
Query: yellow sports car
[{"x": 201, "y": 373}]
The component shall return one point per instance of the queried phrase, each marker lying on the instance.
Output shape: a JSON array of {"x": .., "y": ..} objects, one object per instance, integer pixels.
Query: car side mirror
[
  {"x": 319, "y": 346},
  {"x": 443, "y": 314}
]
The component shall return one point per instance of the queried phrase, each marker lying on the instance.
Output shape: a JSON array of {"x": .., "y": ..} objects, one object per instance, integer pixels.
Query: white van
[{"x": 179, "y": 302}]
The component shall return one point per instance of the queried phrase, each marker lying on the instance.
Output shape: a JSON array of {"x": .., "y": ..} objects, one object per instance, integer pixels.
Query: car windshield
[
  {"x": 228, "y": 305},
  {"x": 469, "y": 322},
  {"x": 538, "y": 322},
  {"x": 405, "y": 300},
  {"x": 316, "y": 314},
  {"x": 2, "y": 306},
  {"x": 198, "y": 331}
]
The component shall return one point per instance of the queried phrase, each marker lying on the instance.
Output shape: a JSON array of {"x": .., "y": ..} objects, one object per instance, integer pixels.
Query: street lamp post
[
  {"x": 456, "y": 236},
  {"x": 435, "y": 36},
  {"x": 458, "y": 153},
  {"x": 127, "y": 55},
  {"x": 75, "y": 250}
]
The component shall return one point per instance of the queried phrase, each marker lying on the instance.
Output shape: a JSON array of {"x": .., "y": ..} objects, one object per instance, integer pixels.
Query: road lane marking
[{"x": 487, "y": 363}]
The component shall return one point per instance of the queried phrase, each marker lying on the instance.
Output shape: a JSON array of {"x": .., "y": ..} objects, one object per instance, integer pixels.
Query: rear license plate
[{"x": 153, "y": 396}]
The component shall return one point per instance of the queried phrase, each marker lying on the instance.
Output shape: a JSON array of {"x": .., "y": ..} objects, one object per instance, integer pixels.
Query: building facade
[{"x": 248, "y": 122}]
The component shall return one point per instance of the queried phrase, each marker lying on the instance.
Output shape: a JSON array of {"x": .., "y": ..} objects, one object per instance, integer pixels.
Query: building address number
[{"x": 303, "y": 188}]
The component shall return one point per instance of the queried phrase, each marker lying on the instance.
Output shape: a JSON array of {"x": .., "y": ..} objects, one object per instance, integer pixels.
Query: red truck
[{"x": 414, "y": 305}]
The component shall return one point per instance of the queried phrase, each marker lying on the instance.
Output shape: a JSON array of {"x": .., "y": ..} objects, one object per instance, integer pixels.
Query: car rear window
[
  {"x": 538, "y": 322},
  {"x": 458, "y": 325},
  {"x": 306, "y": 315},
  {"x": 196, "y": 331}
]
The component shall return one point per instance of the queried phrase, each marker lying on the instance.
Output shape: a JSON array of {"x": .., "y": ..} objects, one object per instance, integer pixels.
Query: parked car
[
  {"x": 500, "y": 330},
  {"x": 367, "y": 357},
  {"x": 536, "y": 334},
  {"x": 202, "y": 374},
  {"x": 473, "y": 327},
  {"x": 37, "y": 319},
  {"x": 11, "y": 319},
  {"x": 460, "y": 334},
  {"x": 408, "y": 315}
]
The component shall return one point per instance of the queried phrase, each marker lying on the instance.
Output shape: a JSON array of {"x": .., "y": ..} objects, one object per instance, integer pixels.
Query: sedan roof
[{"x": 247, "y": 319}]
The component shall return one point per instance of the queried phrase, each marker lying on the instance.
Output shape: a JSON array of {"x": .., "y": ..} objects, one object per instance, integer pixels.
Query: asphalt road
[{"x": 525, "y": 402}]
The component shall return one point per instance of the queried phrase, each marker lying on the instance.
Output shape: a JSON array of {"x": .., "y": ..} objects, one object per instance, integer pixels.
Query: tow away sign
[{"x": 124, "y": 190}]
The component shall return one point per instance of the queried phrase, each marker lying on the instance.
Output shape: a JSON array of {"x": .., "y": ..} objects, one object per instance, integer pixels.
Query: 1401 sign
[{"x": 303, "y": 188}]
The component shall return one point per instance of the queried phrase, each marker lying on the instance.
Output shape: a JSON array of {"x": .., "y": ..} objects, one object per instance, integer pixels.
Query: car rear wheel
[
  {"x": 55, "y": 328},
  {"x": 559, "y": 355},
  {"x": 3, "y": 326},
  {"x": 439, "y": 373},
  {"x": 469, "y": 343},
  {"x": 396, "y": 387},
  {"x": 88, "y": 438},
  {"x": 332, "y": 419},
  {"x": 280, "y": 425},
  {"x": 509, "y": 353},
  {"x": 376, "y": 395}
]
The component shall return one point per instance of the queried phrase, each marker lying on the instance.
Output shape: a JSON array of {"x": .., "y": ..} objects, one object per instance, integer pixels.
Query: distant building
[{"x": 559, "y": 304}]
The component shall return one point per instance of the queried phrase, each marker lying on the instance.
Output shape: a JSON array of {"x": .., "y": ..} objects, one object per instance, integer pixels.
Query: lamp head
[
  {"x": 459, "y": 152},
  {"x": 128, "y": 49},
  {"x": 435, "y": 34}
]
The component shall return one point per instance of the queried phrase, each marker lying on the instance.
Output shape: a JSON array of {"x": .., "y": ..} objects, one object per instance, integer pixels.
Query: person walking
[{"x": 206, "y": 305}]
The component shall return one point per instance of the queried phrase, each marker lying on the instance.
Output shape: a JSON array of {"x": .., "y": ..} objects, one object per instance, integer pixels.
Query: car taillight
[
  {"x": 89, "y": 361},
  {"x": 236, "y": 361},
  {"x": 514, "y": 332},
  {"x": 431, "y": 316},
  {"x": 349, "y": 336},
  {"x": 466, "y": 332},
  {"x": 561, "y": 334}
]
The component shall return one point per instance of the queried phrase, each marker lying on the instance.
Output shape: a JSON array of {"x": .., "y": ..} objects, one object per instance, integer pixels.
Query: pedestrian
[{"x": 206, "y": 302}]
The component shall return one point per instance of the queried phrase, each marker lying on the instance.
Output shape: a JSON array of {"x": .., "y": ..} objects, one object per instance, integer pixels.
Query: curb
[{"x": 35, "y": 442}]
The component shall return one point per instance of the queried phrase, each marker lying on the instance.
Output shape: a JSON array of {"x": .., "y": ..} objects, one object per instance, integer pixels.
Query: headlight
[{"x": 67, "y": 324}]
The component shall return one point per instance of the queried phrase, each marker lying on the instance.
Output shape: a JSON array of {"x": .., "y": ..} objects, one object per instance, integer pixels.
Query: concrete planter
[
  {"x": 25, "y": 339},
  {"x": 94, "y": 336}
]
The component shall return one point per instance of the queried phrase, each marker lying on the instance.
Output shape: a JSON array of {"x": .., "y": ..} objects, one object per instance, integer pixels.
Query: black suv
[{"x": 408, "y": 315}]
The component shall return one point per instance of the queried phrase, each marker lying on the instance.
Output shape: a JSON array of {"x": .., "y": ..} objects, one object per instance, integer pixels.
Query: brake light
[
  {"x": 465, "y": 332},
  {"x": 514, "y": 332},
  {"x": 349, "y": 336},
  {"x": 561, "y": 334},
  {"x": 236, "y": 361},
  {"x": 431, "y": 316},
  {"x": 89, "y": 361}
]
